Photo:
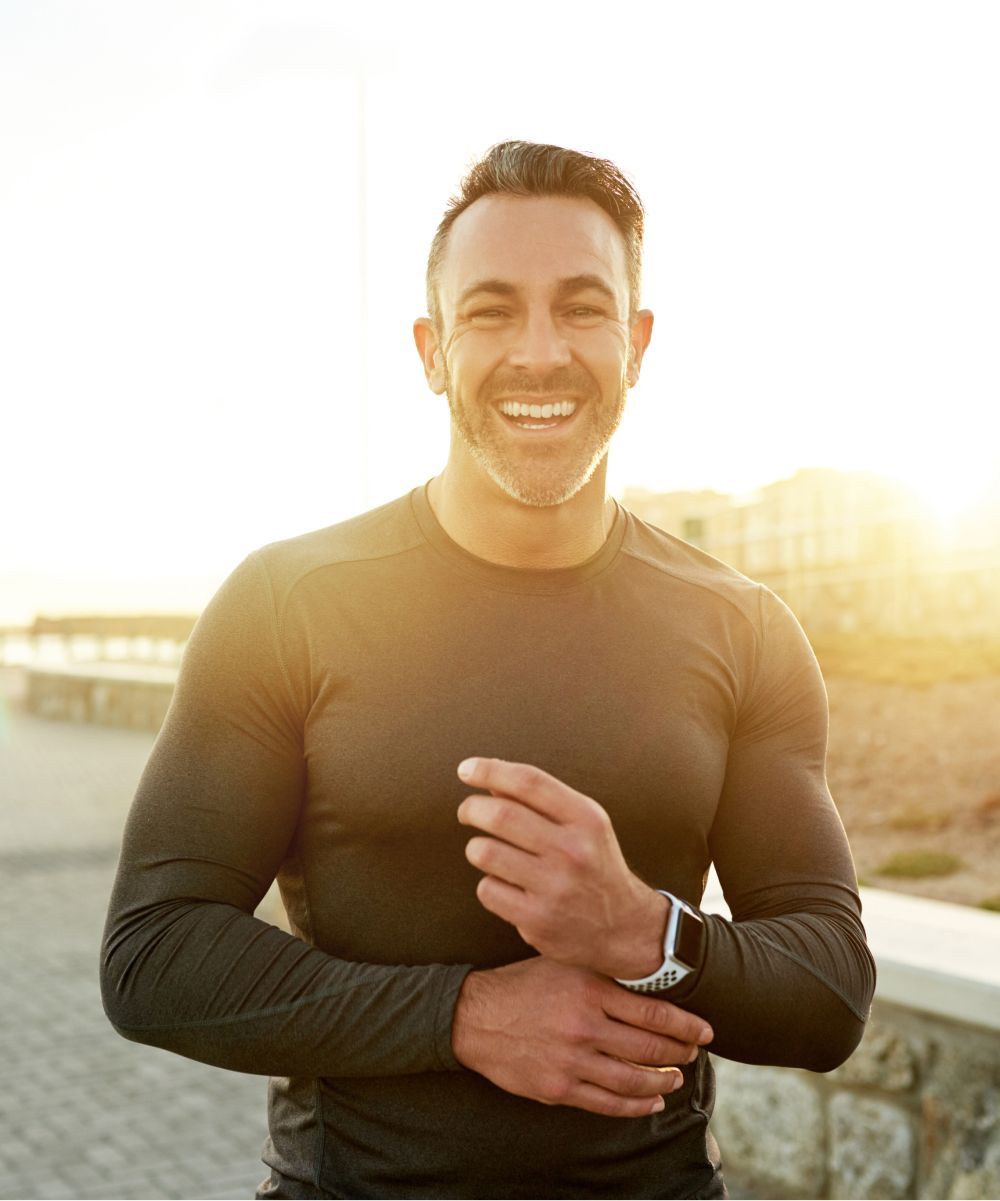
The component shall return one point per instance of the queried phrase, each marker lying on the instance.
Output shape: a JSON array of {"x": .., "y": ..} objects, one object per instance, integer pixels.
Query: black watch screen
[{"x": 690, "y": 939}]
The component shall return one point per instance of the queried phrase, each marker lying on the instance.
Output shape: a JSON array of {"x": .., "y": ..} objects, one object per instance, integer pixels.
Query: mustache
[{"x": 517, "y": 383}]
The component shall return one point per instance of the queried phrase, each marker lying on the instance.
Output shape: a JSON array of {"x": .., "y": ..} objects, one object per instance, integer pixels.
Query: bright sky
[{"x": 214, "y": 219}]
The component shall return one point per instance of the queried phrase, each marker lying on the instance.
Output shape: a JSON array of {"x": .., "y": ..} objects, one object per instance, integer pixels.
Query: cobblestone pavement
[{"x": 84, "y": 1113}]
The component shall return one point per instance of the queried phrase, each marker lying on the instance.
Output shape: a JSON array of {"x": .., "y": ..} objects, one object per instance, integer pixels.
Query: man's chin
[
  {"x": 540, "y": 478},
  {"x": 542, "y": 491}
]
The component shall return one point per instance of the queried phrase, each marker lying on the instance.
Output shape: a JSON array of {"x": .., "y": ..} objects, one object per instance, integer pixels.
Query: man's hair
[{"x": 535, "y": 169}]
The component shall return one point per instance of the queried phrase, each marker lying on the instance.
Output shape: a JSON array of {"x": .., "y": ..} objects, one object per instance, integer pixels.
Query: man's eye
[
  {"x": 584, "y": 311},
  {"x": 487, "y": 314}
]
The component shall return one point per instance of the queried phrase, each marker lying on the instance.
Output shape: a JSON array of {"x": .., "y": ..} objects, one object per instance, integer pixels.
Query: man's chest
[{"x": 624, "y": 705}]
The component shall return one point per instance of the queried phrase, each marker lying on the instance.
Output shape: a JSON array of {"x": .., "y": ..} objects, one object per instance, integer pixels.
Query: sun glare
[
  {"x": 954, "y": 493},
  {"x": 226, "y": 246}
]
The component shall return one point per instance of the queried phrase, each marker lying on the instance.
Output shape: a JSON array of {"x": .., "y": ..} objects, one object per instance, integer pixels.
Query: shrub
[
  {"x": 915, "y": 865},
  {"x": 990, "y": 903},
  {"x": 916, "y": 817}
]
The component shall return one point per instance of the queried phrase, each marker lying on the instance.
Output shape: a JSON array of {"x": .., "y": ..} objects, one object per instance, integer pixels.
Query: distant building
[
  {"x": 685, "y": 514},
  {"x": 849, "y": 552}
]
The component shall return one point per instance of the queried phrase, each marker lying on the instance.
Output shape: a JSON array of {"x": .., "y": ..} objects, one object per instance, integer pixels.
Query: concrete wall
[
  {"x": 915, "y": 1112},
  {"x": 134, "y": 696}
]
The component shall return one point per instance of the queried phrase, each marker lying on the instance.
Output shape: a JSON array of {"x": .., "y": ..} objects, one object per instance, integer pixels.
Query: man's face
[{"x": 537, "y": 353}]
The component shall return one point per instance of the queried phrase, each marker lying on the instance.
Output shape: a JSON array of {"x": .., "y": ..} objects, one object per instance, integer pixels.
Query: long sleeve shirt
[{"x": 325, "y": 699}]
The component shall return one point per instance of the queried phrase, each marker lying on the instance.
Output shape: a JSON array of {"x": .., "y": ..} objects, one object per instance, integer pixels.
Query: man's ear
[
  {"x": 642, "y": 331},
  {"x": 431, "y": 355}
]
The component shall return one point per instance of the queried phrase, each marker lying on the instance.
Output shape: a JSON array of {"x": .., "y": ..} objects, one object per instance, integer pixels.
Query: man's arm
[
  {"x": 185, "y": 964},
  {"x": 796, "y": 942},
  {"x": 790, "y": 980},
  {"x": 187, "y": 967}
]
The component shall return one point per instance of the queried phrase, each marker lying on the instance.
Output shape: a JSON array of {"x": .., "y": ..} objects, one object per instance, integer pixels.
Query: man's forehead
[{"x": 532, "y": 240}]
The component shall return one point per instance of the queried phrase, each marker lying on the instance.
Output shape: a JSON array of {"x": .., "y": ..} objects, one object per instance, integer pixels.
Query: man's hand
[
  {"x": 566, "y": 1036},
  {"x": 555, "y": 871}
]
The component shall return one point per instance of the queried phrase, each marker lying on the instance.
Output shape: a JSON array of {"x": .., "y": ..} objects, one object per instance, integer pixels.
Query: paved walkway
[{"x": 84, "y": 1113}]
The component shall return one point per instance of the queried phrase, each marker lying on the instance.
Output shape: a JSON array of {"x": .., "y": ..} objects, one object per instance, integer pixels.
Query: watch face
[{"x": 690, "y": 935}]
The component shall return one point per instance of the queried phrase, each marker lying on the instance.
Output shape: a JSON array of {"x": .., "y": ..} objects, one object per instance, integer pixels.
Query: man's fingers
[
  {"x": 610, "y": 1104},
  {"x": 660, "y": 1017},
  {"x": 641, "y": 1047},
  {"x": 630, "y": 1079},
  {"x": 665, "y": 1070},
  {"x": 496, "y": 858},
  {"x": 508, "y": 819},
  {"x": 617, "y": 1088},
  {"x": 505, "y": 900},
  {"x": 528, "y": 784}
]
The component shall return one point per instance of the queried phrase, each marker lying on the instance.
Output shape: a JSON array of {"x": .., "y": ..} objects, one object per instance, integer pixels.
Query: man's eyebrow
[
  {"x": 565, "y": 287},
  {"x": 499, "y": 287},
  {"x": 581, "y": 283}
]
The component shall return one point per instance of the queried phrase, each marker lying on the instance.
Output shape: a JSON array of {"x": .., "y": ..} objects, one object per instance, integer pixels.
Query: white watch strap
[{"x": 671, "y": 970}]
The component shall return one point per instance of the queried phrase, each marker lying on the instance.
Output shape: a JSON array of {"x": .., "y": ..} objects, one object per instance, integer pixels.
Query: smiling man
[
  {"x": 490, "y": 737},
  {"x": 535, "y": 342}
]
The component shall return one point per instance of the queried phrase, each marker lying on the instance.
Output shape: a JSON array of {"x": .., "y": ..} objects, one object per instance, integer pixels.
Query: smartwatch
[{"x": 682, "y": 948}]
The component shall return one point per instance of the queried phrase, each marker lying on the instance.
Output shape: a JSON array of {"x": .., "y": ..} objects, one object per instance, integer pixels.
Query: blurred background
[
  {"x": 214, "y": 221},
  {"x": 215, "y": 218}
]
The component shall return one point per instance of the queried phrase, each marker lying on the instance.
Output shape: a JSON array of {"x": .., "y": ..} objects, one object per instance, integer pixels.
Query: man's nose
[{"x": 539, "y": 346}]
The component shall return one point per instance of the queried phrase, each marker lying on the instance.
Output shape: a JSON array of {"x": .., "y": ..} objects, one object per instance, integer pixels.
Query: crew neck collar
[{"x": 515, "y": 579}]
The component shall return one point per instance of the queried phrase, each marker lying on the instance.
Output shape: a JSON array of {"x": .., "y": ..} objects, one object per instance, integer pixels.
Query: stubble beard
[{"x": 544, "y": 475}]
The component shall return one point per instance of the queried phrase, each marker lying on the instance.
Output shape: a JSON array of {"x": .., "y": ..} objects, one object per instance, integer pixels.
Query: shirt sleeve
[
  {"x": 185, "y": 965},
  {"x": 788, "y": 981}
]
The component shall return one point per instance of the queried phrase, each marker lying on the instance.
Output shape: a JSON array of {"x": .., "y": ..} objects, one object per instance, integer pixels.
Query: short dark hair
[{"x": 536, "y": 169}]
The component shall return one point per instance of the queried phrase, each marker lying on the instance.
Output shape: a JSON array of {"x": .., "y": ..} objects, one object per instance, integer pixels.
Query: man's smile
[{"x": 531, "y": 415}]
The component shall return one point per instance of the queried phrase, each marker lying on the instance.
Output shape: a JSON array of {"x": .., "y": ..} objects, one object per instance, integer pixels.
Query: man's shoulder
[
  {"x": 688, "y": 566},
  {"x": 379, "y": 533}
]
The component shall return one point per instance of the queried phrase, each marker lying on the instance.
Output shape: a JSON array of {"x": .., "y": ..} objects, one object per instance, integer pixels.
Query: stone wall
[
  {"x": 134, "y": 696},
  {"x": 915, "y": 1112}
]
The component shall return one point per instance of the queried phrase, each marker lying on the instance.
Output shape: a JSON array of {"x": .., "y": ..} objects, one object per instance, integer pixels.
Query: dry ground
[{"x": 914, "y": 766}]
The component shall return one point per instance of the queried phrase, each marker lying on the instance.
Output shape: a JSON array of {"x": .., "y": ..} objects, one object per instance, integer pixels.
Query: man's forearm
[
  {"x": 212, "y": 982},
  {"x": 793, "y": 990}
]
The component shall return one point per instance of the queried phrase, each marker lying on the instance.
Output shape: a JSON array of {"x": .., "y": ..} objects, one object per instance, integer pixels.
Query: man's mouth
[{"x": 537, "y": 416}]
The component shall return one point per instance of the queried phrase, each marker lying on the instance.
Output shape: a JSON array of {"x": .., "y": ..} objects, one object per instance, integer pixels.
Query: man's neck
[{"x": 488, "y": 523}]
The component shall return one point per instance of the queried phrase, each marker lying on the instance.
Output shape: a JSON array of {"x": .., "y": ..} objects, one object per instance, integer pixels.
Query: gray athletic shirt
[{"x": 326, "y": 697}]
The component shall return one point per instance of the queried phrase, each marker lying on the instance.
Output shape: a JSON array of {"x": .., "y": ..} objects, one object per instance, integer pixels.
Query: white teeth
[{"x": 513, "y": 408}]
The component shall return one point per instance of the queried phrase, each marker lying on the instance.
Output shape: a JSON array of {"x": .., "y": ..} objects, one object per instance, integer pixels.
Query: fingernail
[
  {"x": 659, "y": 1105},
  {"x": 706, "y": 1035},
  {"x": 466, "y": 768},
  {"x": 677, "y": 1082}
]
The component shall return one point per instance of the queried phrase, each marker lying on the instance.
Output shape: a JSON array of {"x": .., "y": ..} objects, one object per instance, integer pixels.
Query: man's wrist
[
  {"x": 638, "y": 950},
  {"x": 683, "y": 947},
  {"x": 463, "y": 1022}
]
